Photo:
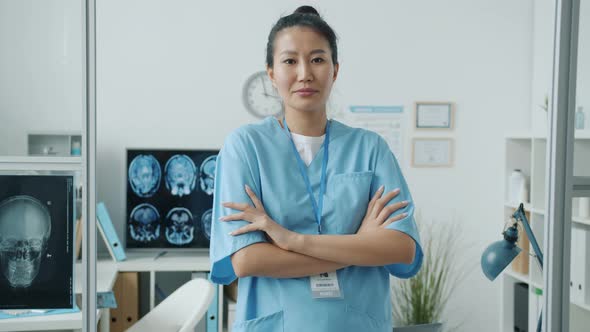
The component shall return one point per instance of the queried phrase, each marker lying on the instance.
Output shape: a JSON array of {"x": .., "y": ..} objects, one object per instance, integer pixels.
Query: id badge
[{"x": 325, "y": 286}]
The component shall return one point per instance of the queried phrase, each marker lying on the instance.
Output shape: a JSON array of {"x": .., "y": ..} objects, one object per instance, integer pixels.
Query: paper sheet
[{"x": 384, "y": 120}]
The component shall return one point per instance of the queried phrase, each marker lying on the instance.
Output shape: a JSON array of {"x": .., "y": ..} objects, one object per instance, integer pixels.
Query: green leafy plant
[{"x": 423, "y": 298}]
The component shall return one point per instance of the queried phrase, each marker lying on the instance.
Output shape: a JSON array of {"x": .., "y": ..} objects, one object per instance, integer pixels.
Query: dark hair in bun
[
  {"x": 304, "y": 16},
  {"x": 306, "y": 10}
]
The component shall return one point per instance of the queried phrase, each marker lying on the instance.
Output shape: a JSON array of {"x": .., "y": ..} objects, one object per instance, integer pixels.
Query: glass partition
[
  {"x": 42, "y": 129},
  {"x": 41, "y": 77}
]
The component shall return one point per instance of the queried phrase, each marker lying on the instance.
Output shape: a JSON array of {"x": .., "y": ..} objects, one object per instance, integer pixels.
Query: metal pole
[
  {"x": 89, "y": 156},
  {"x": 560, "y": 168}
]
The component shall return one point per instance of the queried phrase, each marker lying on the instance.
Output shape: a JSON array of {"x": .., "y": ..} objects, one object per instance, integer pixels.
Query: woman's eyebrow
[{"x": 316, "y": 51}]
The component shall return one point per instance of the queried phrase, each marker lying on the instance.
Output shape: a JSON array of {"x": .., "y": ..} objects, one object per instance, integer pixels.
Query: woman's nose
[{"x": 304, "y": 72}]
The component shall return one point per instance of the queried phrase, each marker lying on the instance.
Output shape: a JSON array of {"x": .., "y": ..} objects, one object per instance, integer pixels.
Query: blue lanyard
[{"x": 317, "y": 206}]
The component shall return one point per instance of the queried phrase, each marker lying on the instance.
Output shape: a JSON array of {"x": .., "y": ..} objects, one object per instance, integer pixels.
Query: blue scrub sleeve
[
  {"x": 233, "y": 171},
  {"x": 388, "y": 173}
]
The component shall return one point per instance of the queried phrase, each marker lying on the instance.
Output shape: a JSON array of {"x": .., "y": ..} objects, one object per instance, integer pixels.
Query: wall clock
[{"x": 260, "y": 97}]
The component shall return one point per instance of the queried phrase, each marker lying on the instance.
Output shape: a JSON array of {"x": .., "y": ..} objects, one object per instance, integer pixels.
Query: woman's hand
[
  {"x": 259, "y": 221},
  {"x": 377, "y": 212}
]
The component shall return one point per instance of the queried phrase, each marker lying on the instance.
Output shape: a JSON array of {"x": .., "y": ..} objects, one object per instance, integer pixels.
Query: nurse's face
[{"x": 303, "y": 71}]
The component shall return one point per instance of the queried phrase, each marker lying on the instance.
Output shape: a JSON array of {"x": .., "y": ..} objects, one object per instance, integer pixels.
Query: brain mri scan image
[
  {"x": 181, "y": 174},
  {"x": 144, "y": 223},
  {"x": 144, "y": 175},
  {"x": 25, "y": 227},
  {"x": 179, "y": 226},
  {"x": 178, "y": 213},
  {"x": 207, "y": 175},
  {"x": 206, "y": 223}
]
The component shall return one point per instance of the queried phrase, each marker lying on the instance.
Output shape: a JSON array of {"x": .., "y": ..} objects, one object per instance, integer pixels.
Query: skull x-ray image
[
  {"x": 144, "y": 175},
  {"x": 173, "y": 216},
  {"x": 207, "y": 175},
  {"x": 181, "y": 175},
  {"x": 144, "y": 223},
  {"x": 25, "y": 226},
  {"x": 180, "y": 227},
  {"x": 206, "y": 220},
  {"x": 36, "y": 236}
]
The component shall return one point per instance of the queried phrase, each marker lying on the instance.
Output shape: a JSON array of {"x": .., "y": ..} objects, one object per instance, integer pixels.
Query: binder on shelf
[
  {"x": 105, "y": 226},
  {"x": 213, "y": 312},
  {"x": 580, "y": 276},
  {"x": 583, "y": 269},
  {"x": 78, "y": 241},
  {"x": 521, "y": 263},
  {"x": 535, "y": 305},
  {"x": 575, "y": 266},
  {"x": 126, "y": 290}
]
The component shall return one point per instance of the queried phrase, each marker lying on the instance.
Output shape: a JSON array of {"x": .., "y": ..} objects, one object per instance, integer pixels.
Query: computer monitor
[{"x": 169, "y": 198}]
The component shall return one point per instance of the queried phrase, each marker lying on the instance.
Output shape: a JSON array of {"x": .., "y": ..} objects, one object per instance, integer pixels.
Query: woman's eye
[
  {"x": 317, "y": 60},
  {"x": 289, "y": 61}
]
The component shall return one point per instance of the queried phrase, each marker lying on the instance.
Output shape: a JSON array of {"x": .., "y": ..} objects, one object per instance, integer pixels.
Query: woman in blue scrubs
[{"x": 311, "y": 215}]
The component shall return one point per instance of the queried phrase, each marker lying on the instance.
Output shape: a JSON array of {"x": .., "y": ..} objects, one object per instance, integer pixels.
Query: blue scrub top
[{"x": 360, "y": 161}]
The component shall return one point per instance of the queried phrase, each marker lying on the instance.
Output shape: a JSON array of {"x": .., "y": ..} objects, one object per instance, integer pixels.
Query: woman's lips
[{"x": 305, "y": 92}]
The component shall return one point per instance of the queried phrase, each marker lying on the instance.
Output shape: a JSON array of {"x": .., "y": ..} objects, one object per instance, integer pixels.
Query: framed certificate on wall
[
  {"x": 434, "y": 115},
  {"x": 432, "y": 152}
]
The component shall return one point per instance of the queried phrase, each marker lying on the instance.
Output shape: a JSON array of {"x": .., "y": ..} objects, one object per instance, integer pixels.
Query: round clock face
[{"x": 259, "y": 96}]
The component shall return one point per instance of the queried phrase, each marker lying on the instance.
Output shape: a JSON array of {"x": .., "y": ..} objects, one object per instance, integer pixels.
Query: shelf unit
[
  {"x": 61, "y": 144},
  {"x": 527, "y": 152}
]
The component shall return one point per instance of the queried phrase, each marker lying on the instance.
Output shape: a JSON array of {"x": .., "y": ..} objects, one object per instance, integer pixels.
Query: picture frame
[
  {"x": 434, "y": 115},
  {"x": 432, "y": 152}
]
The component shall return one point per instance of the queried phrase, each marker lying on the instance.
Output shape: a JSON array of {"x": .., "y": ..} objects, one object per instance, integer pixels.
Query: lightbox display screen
[
  {"x": 36, "y": 241},
  {"x": 169, "y": 198}
]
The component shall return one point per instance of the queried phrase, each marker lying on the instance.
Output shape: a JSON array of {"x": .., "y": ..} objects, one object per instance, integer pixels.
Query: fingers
[
  {"x": 381, "y": 202},
  {"x": 236, "y": 216},
  {"x": 374, "y": 199},
  {"x": 388, "y": 210},
  {"x": 246, "y": 229},
  {"x": 394, "y": 219},
  {"x": 254, "y": 198},
  {"x": 236, "y": 206}
]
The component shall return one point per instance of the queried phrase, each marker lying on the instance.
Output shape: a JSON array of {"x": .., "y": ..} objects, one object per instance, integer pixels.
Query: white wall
[
  {"x": 583, "y": 70},
  {"x": 170, "y": 75},
  {"x": 41, "y": 66}
]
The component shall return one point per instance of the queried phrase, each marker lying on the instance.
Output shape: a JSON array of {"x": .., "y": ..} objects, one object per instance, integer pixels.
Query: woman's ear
[
  {"x": 336, "y": 68},
  {"x": 271, "y": 75}
]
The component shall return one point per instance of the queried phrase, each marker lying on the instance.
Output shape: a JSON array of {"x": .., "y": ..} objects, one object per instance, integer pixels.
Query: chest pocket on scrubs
[
  {"x": 350, "y": 194},
  {"x": 269, "y": 323}
]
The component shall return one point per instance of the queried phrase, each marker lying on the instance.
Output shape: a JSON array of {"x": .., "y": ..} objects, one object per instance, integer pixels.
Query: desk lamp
[{"x": 499, "y": 254}]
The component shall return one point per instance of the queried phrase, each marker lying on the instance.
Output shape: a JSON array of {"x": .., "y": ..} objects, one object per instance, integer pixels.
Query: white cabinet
[{"x": 527, "y": 152}]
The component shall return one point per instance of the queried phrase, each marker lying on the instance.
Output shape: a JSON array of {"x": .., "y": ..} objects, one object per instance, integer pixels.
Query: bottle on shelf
[
  {"x": 518, "y": 189},
  {"x": 76, "y": 149},
  {"x": 580, "y": 118}
]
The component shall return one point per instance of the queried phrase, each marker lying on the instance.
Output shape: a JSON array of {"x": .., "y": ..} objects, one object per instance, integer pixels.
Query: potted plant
[{"x": 419, "y": 302}]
